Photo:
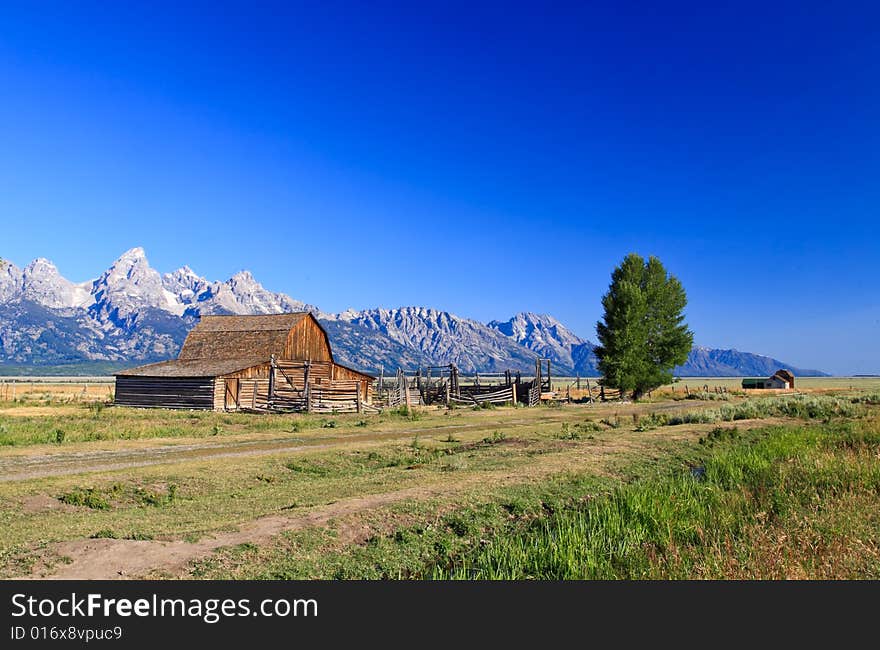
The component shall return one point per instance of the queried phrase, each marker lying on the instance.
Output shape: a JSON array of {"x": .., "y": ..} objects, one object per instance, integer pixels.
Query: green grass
[
  {"x": 94, "y": 422},
  {"x": 784, "y": 501},
  {"x": 806, "y": 407},
  {"x": 811, "y": 487},
  {"x": 501, "y": 482}
]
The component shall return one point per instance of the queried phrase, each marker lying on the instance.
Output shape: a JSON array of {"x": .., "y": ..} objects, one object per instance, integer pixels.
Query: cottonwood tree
[{"x": 642, "y": 335}]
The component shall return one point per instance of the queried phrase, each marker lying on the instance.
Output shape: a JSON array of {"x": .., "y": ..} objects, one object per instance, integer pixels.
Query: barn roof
[
  {"x": 238, "y": 337},
  {"x": 193, "y": 367},
  {"x": 261, "y": 323}
]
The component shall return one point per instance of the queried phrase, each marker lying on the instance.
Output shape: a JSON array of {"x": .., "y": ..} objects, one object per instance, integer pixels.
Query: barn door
[{"x": 231, "y": 401}]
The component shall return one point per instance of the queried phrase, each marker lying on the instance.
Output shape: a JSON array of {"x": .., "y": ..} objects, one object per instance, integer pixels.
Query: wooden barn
[
  {"x": 276, "y": 362},
  {"x": 781, "y": 380}
]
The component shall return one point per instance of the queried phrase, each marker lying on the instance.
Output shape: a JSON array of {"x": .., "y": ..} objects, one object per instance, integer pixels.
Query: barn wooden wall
[
  {"x": 340, "y": 373},
  {"x": 308, "y": 341},
  {"x": 219, "y": 394},
  {"x": 261, "y": 371},
  {"x": 165, "y": 392}
]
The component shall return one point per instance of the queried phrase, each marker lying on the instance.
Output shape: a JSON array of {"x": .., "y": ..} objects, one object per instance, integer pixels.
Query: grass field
[{"x": 754, "y": 487}]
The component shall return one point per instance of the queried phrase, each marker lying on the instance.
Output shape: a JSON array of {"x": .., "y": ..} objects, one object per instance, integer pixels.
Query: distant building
[
  {"x": 785, "y": 375},
  {"x": 781, "y": 380}
]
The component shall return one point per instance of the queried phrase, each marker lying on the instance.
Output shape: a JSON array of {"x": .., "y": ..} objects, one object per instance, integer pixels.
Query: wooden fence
[
  {"x": 305, "y": 386},
  {"x": 498, "y": 396}
]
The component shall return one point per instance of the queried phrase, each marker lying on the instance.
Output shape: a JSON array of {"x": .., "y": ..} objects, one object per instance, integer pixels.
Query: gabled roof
[
  {"x": 261, "y": 323},
  {"x": 193, "y": 367},
  {"x": 239, "y": 337}
]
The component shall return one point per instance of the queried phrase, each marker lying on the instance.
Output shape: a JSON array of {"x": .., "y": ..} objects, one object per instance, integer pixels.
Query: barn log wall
[{"x": 165, "y": 392}]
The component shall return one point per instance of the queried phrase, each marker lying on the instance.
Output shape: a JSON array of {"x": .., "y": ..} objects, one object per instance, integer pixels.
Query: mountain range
[{"x": 132, "y": 314}]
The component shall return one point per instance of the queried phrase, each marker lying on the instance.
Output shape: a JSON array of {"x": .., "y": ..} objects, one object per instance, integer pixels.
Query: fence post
[
  {"x": 358, "y": 398},
  {"x": 513, "y": 392},
  {"x": 271, "y": 381}
]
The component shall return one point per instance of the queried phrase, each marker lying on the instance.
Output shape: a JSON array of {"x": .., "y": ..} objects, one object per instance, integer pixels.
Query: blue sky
[{"x": 479, "y": 158}]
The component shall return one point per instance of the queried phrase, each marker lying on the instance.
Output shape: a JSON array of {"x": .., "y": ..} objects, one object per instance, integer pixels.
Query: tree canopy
[{"x": 642, "y": 335}]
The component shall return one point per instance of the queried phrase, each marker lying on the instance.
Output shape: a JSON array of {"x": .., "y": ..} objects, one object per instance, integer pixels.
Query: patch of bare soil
[
  {"x": 39, "y": 411},
  {"x": 44, "y": 503},
  {"x": 104, "y": 559}
]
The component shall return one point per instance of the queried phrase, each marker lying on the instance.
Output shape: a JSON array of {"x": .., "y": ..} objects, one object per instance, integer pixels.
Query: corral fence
[
  {"x": 448, "y": 385},
  {"x": 305, "y": 386}
]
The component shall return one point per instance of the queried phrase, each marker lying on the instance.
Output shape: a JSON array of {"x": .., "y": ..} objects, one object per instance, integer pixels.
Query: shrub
[
  {"x": 495, "y": 438},
  {"x": 614, "y": 424},
  {"x": 568, "y": 432},
  {"x": 652, "y": 421},
  {"x": 806, "y": 407},
  {"x": 709, "y": 397},
  {"x": 88, "y": 497},
  {"x": 96, "y": 408},
  {"x": 156, "y": 499}
]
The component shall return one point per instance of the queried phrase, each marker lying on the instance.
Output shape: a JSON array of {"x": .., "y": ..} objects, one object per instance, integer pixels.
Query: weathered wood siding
[
  {"x": 308, "y": 341},
  {"x": 253, "y": 393},
  {"x": 219, "y": 394},
  {"x": 341, "y": 373},
  {"x": 251, "y": 373},
  {"x": 165, "y": 392}
]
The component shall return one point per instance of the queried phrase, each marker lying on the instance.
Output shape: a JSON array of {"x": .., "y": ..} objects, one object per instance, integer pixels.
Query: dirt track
[
  {"x": 30, "y": 466},
  {"x": 107, "y": 559},
  {"x": 19, "y": 468}
]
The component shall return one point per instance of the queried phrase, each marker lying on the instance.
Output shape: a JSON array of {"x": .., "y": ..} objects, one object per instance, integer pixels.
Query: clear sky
[{"x": 479, "y": 158}]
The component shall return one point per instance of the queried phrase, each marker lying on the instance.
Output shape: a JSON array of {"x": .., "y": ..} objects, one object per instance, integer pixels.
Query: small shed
[
  {"x": 775, "y": 382},
  {"x": 786, "y": 376},
  {"x": 254, "y": 362}
]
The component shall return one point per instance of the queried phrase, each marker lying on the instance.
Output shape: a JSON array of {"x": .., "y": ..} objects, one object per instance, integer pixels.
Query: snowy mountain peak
[
  {"x": 186, "y": 284},
  {"x": 43, "y": 284},
  {"x": 546, "y": 337},
  {"x": 243, "y": 276},
  {"x": 131, "y": 265},
  {"x": 130, "y": 285},
  {"x": 10, "y": 281},
  {"x": 133, "y": 254}
]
